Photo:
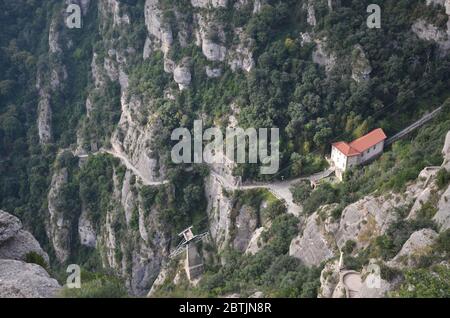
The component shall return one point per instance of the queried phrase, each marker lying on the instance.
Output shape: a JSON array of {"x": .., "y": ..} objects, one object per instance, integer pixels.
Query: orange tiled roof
[
  {"x": 360, "y": 145},
  {"x": 346, "y": 149}
]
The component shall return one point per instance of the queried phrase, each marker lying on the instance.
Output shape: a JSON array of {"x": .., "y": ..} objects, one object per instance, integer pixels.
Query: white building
[{"x": 344, "y": 156}]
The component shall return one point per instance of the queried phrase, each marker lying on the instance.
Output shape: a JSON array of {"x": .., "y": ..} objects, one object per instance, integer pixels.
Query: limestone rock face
[
  {"x": 444, "y": 3},
  {"x": 86, "y": 231},
  {"x": 367, "y": 292},
  {"x": 17, "y": 278},
  {"x": 254, "y": 245},
  {"x": 366, "y": 219},
  {"x": 160, "y": 32},
  {"x": 45, "y": 118},
  {"x": 132, "y": 141},
  {"x": 329, "y": 279},
  {"x": 22, "y": 280},
  {"x": 182, "y": 76},
  {"x": 442, "y": 217},
  {"x": 313, "y": 246},
  {"x": 213, "y": 51},
  {"x": 9, "y": 226},
  {"x": 257, "y": 6},
  {"x": 207, "y": 31},
  {"x": 361, "y": 68},
  {"x": 245, "y": 224},
  {"x": 423, "y": 198},
  {"x": 16, "y": 243},
  {"x": 147, "y": 48},
  {"x": 53, "y": 38},
  {"x": 311, "y": 15},
  {"x": 219, "y": 210},
  {"x": 430, "y": 32},
  {"x": 417, "y": 243},
  {"x": 17, "y": 247},
  {"x": 58, "y": 227},
  {"x": 240, "y": 56},
  {"x": 446, "y": 152},
  {"x": 50, "y": 80}
]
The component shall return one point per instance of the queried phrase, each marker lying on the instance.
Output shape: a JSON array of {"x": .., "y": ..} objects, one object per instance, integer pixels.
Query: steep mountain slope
[
  {"x": 86, "y": 117},
  {"x": 20, "y": 254}
]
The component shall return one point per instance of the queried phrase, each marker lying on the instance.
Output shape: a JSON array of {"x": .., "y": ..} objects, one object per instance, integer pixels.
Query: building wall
[
  {"x": 339, "y": 159},
  {"x": 371, "y": 153},
  {"x": 353, "y": 161},
  {"x": 343, "y": 163}
]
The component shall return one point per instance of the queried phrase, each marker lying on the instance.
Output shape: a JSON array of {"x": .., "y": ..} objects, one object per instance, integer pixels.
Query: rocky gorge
[{"x": 102, "y": 192}]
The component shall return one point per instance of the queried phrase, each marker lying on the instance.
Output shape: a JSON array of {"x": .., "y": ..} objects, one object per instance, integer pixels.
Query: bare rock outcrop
[
  {"x": 21, "y": 245},
  {"x": 58, "y": 226},
  {"x": 161, "y": 36},
  {"x": 86, "y": 231},
  {"x": 16, "y": 243},
  {"x": 182, "y": 76},
  {"x": 255, "y": 244},
  {"x": 17, "y": 278},
  {"x": 213, "y": 51},
  {"x": 428, "y": 31},
  {"x": 315, "y": 244},
  {"x": 442, "y": 217},
  {"x": 366, "y": 219},
  {"x": 240, "y": 56},
  {"x": 418, "y": 243},
  {"x": 446, "y": 152},
  {"x": 219, "y": 210},
  {"x": 22, "y": 280},
  {"x": 323, "y": 58},
  {"x": 373, "y": 289},
  {"x": 9, "y": 226},
  {"x": 329, "y": 279},
  {"x": 361, "y": 68},
  {"x": 245, "y": 224},
  {"x": 50, "y": 80},
  {"x": 139, "y": 257},
  {"x": 311, "y": 19}
]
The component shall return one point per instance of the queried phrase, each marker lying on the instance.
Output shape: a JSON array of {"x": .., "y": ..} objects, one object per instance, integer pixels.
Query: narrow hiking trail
[
  {"x": 117, "y": 153},
  {"x": 280, "y": 189}
]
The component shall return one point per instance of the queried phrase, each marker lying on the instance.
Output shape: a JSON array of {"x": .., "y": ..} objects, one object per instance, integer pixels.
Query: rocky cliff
[
  {"x": 109, "y": 95},
  {"x": 18, "y": 278}
]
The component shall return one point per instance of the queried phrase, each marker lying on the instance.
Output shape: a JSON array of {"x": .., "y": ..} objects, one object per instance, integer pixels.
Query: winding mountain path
[
  {"x": 117, "y": 153},
  {"x": 280, "y": 189}
]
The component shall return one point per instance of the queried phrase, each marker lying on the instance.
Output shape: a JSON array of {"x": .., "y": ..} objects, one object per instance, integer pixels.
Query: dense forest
[{"x": 313, "y": 106}]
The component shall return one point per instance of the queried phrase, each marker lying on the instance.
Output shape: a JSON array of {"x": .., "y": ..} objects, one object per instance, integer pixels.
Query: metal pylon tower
[{"x": 188, "y": 238}]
